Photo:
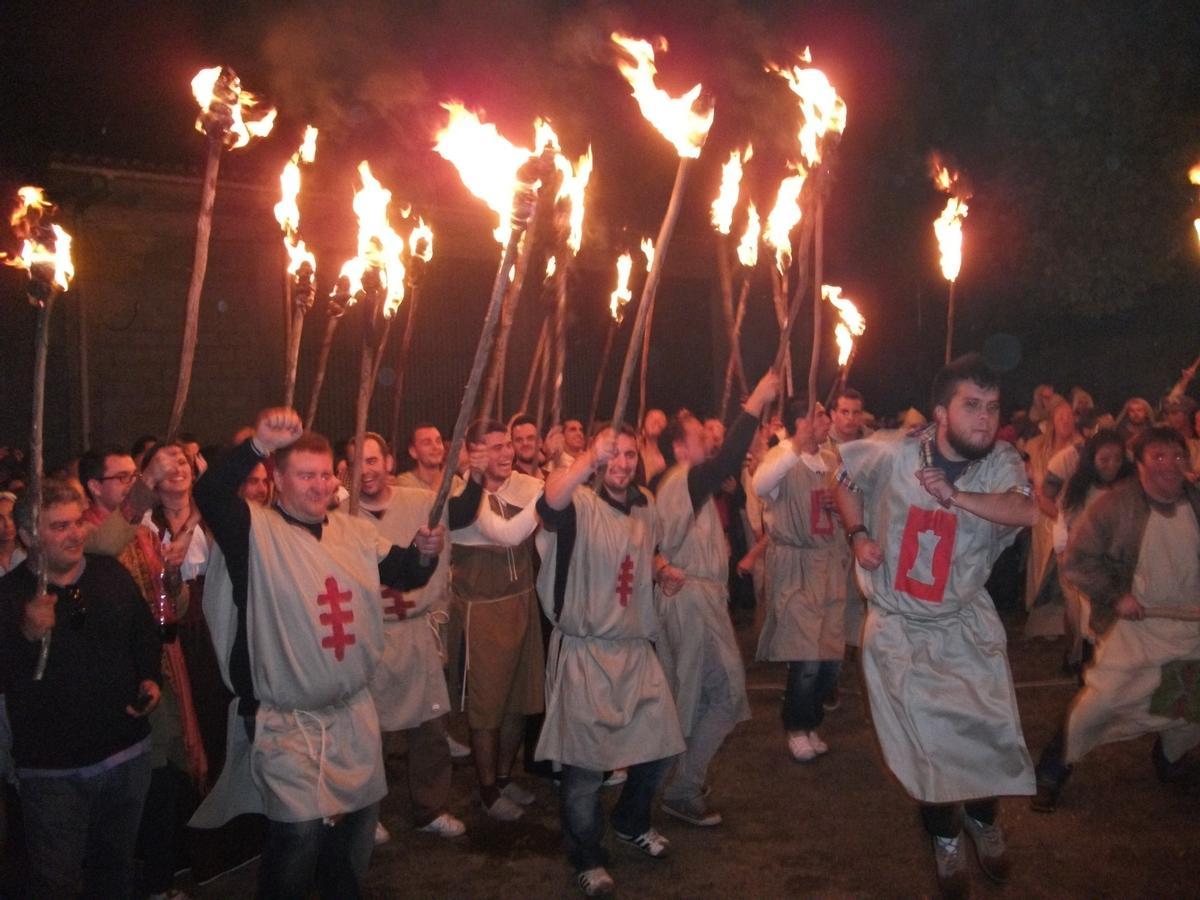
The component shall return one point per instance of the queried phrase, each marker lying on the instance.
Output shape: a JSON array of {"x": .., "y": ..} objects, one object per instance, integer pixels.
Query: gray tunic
[
  {"x": 608, "y": 705},
  {"x": 409, "y": 686},
  {"x": 934, "y": 651},
  {"x": 697, "y": 632}
]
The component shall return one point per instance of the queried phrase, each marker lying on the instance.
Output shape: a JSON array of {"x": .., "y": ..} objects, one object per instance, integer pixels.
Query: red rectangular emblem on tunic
[
  {"x": 926, "y": 551},
  {"x": 821, "y": 518}
]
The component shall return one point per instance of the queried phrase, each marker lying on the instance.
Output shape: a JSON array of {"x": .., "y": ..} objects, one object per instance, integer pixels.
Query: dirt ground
[{"x": 837, "y": 827}]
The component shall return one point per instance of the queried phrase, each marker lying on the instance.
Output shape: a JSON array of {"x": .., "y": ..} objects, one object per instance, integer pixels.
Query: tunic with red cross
[
  {"x": 625, "y": 581},
  {"x": 337, "y": 618},
  {"x": 399, "y": 606}
]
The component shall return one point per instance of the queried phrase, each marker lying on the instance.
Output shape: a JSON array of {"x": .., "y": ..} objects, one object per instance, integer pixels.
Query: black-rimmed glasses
[{"x": 123, "y": 477}]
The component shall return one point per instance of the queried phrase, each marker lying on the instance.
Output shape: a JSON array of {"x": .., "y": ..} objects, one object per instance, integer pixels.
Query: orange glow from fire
[
  {"x": 622, "y": 295},
  {"x": 747, "y": 250},
  {"x": 684, "y": 120},
  {"x": 204, "y": 86},
  {"x": 55, "y": 256},
  {"x": 727, "y": 196},
  {"x": 784, "y": 216}
]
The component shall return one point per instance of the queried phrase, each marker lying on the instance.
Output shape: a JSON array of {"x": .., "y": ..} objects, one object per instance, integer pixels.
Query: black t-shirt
[{"x": 103, "y": 646}]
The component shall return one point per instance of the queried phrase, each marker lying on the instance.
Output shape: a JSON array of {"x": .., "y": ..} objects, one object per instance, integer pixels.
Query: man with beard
[
  {"x": 494, "y": 609},
  {"x": 1135, "y": 553},
  {"x": 608, "y": 705},
  {"x": 526, "y": 446},
  {"x": 409, "y": 687},
  {"x": 927, "y": 515}
]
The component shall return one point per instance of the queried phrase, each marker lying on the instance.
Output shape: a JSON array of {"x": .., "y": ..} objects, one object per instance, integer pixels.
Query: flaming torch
[
  {"x": 490, "y": 167},
  {"x": 46, "y": 256},
  {"x": 570, "y": 209},
  {"x": 747, "y": 251},
  {"x": 722, "y": 218},
  {"x": 824, "y": 119},
  {"x": 684, "y": 121},
  {"x": 777, "y": 234},
  {"x": 302, "y": 265},
  {"x": 619, "y": 299},
  {"x": 851, "y": 325},
  {"x": 948, "y": 230},
  {"x": 487, "y": 163},
  {"x": 223, "y": 104},
  {"x": 380, "y": 259},
  {"x": 420, "y": 253}
]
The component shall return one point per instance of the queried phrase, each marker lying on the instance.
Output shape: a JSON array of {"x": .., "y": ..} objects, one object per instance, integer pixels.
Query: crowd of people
[{"x": 222, "y": 654}]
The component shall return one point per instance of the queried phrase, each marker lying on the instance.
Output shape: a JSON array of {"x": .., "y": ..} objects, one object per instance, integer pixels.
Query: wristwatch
[{"x": 857, "y": 529}]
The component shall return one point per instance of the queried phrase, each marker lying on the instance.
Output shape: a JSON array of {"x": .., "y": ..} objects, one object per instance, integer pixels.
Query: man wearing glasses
[{"x": 80, "y": 737}]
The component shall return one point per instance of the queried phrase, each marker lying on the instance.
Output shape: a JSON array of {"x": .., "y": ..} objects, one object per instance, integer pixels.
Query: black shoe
[{"x": 1178, "y": 772}]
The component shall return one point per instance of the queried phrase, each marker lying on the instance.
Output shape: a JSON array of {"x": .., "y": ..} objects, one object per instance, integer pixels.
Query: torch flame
[
  {"x": 684, "y": 121},
  {"x": 622, "y": 295},
  {"x": 747, "y": 250},
  {"x": 948, "y": 228},
  {"x": 852, "y": 323},
  {"x": 379, "y": 247},
  {"x": 287, "y": 211},
  {"x": 727, "y": 196},
  {"x": 784, "y": 216},
  {"x": 49, "y": 248},
  {"x": 204, "y": 89},
  {"x": 551, "y": 267},
  {"x": 648, "y": 252},
  {"x": 824, "y": 112},
  {"x": 486, "y": 161},
  {"x": 420, "y": 241},
  {"x": 1194, "y": 178},
  {"x": 575, "y": 178}
]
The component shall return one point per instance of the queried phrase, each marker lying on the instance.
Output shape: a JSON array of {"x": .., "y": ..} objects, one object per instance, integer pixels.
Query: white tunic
[
  {"x": 934, "y": 650},
  {"x": 409, "y": 686},
  {"x": 314, "y": 634},
  {"x": 608, "y": 705}
]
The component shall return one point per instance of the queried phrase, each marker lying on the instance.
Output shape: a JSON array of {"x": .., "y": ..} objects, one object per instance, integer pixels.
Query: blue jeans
[
  {"x": 808, "y": 684},
  {"x": 334, "y": 857},
  {"x": 84, "y": 830},
  {"x": 583, "y": 819}
]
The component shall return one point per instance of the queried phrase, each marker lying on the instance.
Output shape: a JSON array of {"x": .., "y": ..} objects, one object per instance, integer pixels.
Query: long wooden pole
[
  {"x": 402, "y": 363},
  {"x": 560, "y": 340},
  {"x": 605, "y": 354},
  {"x": 649, "y": 290},
  {"x": 735, "y": 352},
  {"x": 300, "y": 297},
  {"x": 814, "y": 361},
  {"x": 950, "y": 324},
  {"x": 370, "y": 304},
  {"x": 524, "y": 201},
  {"x": 535, "y": 366},
  {"x": 493, "y": 393},
  {"x": 187, "y": 355},
  {"x": 85, "y": 375},
  {"x": 334, "y": 310},
  {"x": 37, "y": 458}
]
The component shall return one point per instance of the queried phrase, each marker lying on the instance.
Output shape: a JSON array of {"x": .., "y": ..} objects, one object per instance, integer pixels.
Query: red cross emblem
[
  {"x": 400, "y": 606},
  {"x": 821, "y": 517},
  {"x": 625, "y": 581},
  {"x": 926, "y": 549},
  {"x": 337, "y": 618}
]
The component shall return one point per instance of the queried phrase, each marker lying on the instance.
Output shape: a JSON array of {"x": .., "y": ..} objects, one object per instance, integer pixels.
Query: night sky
[{"x": 1075, "y": 122}]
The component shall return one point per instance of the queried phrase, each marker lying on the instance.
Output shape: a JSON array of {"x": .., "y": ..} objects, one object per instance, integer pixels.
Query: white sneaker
[
  {"x": 596, "y": 882},
  {"x": 618, "y": 776},
  {"x": 504, "y": 810},
  {"x": 446, "y": 826},
  {"x": 517, "y": 794},
  {"x": 801, "y": 747},
  {"x": 817, "y": 744},
  {"x": 458, "y": 750},
  {"x": 382, "y": 835}
]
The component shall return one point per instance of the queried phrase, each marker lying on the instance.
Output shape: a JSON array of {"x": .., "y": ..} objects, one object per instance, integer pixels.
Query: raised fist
[{"x": 277, "y": 428}]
